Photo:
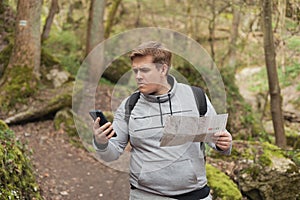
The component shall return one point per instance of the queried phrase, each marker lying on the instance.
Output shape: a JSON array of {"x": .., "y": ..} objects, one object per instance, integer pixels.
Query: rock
[
  {"x": 264, "y": 172},
  {"x": 63, "y": 120},
  {"x": 57, "y": 77}
]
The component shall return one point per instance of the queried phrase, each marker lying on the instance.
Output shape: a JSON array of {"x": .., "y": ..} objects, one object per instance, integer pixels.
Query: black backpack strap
[
  {"x": 202, "y": 108},
  {"x": 200, "y": 100},
  {"x": 129, "y": 105}
]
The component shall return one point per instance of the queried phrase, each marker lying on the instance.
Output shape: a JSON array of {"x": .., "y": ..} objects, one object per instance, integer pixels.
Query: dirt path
[{"x": 67, "y": 172}]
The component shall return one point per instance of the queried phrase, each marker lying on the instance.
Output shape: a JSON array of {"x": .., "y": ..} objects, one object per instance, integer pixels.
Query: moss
[
  {"x": 20, "y": 84},
  {"x": 223, "y": 187},
  {"x": 271, "y": 150},
  {"x": 17, "y": 180},
  {"x": 253, "y": 170},
  {"x": 264, "y": 160},
  {"x": 3, "y": 126},
  {"x": 4, "y": 57}
]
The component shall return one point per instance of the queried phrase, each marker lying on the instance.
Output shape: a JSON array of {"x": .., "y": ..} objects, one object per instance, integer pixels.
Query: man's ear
[{"x": 164, "y": 68}]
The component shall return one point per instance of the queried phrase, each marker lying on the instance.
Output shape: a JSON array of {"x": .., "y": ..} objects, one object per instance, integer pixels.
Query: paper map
[{"x": 181, "y": 129}]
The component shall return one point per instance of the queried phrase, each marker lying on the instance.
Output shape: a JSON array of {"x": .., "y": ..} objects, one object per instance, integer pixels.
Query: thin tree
[
  {"x": 274, "y": 88},
  {"x": 95, "y": 31},
  {"x": 54, "y": 9}
]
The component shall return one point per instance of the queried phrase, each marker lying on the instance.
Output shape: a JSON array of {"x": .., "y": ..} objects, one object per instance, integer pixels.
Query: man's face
[{"x": 149, "y": 78}]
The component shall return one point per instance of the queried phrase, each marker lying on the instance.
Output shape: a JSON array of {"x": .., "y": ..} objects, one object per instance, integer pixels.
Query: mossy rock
[
  {"x": 264, "y": 171},
  {"x": 117, "y": 69},
  {"x": 17, "y": 180},
  {"x": 223, "y": 187},
  {"x": 63, "y": 120}
]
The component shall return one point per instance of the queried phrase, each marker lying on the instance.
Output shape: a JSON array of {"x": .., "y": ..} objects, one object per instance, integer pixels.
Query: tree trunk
[
  {"x": 21, "y": 76},
  {"x": 274, "y": 88},
  {"x": 111, "y": 17},
  {"x": 47, "y": 27},
  {"x": 46, "y": 103},
  {"x": 95, "y": 32},
  {"x": 233, "y": 37},
  {"x": 211, "y": 29}
]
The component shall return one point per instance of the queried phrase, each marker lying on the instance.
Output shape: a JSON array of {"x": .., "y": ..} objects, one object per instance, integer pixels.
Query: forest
[{"x": 61, "y": 58}]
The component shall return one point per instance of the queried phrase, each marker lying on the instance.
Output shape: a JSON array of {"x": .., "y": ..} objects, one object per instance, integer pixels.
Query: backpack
[{"x": 199, "y": 98}]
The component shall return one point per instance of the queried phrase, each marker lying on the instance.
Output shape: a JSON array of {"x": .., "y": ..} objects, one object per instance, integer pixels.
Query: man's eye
[
  {"x": 144, "y": 70},
  {"x": 135, "y": 71}
]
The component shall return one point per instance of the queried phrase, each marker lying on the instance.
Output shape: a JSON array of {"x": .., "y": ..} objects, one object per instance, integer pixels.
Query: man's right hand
[{"x": 102, "y": 133}]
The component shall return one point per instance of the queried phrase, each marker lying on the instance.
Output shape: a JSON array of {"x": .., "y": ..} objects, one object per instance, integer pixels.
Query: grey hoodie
[{"x": 165, "y": 171}]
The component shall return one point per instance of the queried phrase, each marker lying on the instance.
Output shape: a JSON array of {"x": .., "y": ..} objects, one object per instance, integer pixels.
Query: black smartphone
[{"x": 98, "y": 113}]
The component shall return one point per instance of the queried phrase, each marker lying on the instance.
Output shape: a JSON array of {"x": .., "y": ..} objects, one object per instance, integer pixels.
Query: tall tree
[
  {"x": 21, "y": 76},
  {"x": 274, "y": 88},
  {"x": 54, "y": 9},
  {"x": 95, "y": 32}
]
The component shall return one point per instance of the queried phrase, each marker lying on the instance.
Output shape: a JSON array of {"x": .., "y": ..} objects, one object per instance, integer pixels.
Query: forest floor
[{"x": 67, "y": 172}]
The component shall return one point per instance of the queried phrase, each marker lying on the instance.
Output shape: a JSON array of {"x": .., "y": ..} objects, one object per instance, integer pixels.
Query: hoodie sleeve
[
  {"x": 116, "y": 145},
  {"x": 210, "y": 112}
]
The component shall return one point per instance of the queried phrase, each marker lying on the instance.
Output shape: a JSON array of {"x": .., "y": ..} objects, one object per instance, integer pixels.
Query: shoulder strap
[
  {"x": 200, "y": 100},
  {"x": 202, "y": 108},
  {"x": 130, "y": 103}
]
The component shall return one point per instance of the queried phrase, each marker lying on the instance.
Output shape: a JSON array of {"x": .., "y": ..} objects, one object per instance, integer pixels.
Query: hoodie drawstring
[
  {"x": 170, "y": 106},
  {"x": 169, "y": 95},
  {"x": 161, "y": 117}
]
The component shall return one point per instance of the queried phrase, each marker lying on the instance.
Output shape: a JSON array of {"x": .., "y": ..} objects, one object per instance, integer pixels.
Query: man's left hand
[{"x": 223, "y": 140}]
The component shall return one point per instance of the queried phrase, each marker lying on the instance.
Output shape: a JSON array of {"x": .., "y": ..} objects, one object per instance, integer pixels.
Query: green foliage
[
  {"x": 242, "y": 119},
  {"x": 292, "y": 137},
  {"x": 223, "y": 187},
  {"x": 17, "y": 179},
  {"x": 47, "y": 59},
  {"x": 293, "y": 43},
  {"x": 294, "y": 155},
  {"x": 65, "y": 47}
]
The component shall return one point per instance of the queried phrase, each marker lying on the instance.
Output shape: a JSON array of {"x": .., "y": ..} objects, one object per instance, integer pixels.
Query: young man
[{"x": 172, "y": 172}]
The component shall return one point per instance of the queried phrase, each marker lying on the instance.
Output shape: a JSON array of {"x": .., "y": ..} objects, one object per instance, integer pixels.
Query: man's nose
[{"x": 138, "y": 75}]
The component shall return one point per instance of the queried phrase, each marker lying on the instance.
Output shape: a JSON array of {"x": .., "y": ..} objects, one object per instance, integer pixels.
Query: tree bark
[
  {"x": 47, "y": 27},
  {"x": 27, "y": 48},
  {"x": 95, "y": 31},
  {"x": 274, "y": 88},
  {"x": 22, "y": 73}
]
